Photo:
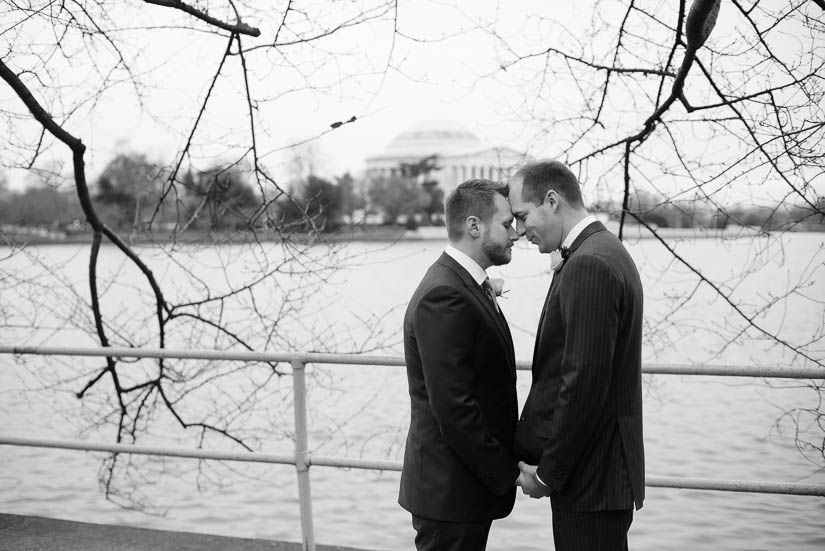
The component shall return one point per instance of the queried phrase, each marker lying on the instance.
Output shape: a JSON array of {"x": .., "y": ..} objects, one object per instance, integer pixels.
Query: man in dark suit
[
  {"x": 580, "y": 432},
  {"x": 459, "y": 470}
]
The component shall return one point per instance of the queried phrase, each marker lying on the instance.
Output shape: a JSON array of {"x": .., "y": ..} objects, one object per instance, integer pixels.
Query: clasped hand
[{"x": 529, "y": 483}]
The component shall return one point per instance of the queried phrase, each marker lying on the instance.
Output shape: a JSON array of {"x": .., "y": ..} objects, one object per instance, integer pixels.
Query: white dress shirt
[
  {"x": 476, "y": 272},
  {"x": 577, "y": 229}
]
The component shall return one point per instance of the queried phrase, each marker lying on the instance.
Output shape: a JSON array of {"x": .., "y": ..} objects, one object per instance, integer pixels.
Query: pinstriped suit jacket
[
  {"x": 582, "y": 420},
  {"x": 458, "y": 461}
]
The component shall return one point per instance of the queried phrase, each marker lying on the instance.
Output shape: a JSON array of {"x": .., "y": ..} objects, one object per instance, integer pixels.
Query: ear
[
  {"x": 472, "y": 226},
  {"x": 552, "y": 198}
]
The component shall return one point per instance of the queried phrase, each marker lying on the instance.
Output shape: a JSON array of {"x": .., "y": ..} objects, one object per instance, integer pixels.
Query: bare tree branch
[{"x": 238, "y": 28}]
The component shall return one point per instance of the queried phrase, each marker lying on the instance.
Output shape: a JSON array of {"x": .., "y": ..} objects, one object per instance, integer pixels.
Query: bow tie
[{"x": 565, "y": 252}]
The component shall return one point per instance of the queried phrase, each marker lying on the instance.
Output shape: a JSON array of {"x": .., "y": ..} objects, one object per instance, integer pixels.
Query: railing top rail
[
  {"x": 771, "y": 371},
  {"x": 190, "y": 354}
]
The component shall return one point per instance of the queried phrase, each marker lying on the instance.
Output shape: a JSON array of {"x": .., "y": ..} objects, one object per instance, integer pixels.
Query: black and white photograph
[{"x": 390, "y": 275}]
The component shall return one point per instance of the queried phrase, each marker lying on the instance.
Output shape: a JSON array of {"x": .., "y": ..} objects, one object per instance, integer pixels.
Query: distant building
[{"x": 460, "y": 155}]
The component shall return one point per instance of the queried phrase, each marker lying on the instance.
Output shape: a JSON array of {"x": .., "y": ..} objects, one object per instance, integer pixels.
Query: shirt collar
[
  {"x": 472, "y": 267},
  {"x": 577, "y": 229}
]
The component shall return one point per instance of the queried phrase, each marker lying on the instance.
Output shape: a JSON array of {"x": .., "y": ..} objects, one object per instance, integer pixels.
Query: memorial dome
[
  {"x": 460, "y": 154},
  {"x": 432, "y": 138}
]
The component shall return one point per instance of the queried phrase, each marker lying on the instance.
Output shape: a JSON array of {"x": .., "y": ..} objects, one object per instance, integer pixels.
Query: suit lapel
[
  {"x": 475, "y": 289},
  {"x": 511, "y": 353},
  {"x": 539, "y": 331},
  {"x": 593, "y": 227}
]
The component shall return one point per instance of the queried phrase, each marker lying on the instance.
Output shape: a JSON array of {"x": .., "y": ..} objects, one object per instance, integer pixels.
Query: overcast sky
[
  {"x": 445, "y": 64},
  {"x": 436, "y": 64}
]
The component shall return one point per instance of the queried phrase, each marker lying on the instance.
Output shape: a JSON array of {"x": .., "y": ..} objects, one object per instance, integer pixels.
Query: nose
[
  {"x": 512, "y": 234},
  {"x": 520, "y": 230}
]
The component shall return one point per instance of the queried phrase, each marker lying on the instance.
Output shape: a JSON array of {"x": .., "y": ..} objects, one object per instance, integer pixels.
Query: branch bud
[{"x": 700, "y": 22}]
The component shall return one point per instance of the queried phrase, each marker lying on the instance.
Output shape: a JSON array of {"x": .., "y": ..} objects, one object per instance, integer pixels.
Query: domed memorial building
[{"x": 459, "y": 155}]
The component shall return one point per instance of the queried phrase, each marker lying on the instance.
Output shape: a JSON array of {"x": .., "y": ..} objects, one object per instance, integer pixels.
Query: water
[{"x": 706, "y": 427}]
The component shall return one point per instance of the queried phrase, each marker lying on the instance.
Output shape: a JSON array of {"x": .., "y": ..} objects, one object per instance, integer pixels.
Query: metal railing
[{"x": 301, "y": 457}]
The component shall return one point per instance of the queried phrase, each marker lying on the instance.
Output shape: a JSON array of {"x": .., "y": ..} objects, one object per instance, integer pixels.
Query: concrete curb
[{"x": 45, "y": 534}]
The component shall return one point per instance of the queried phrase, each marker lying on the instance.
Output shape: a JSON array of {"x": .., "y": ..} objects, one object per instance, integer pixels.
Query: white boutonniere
[
  {"x": 497, "y": 284},
  {"x": 556, "y": 260},
  {"x": 558, "y": 257}
]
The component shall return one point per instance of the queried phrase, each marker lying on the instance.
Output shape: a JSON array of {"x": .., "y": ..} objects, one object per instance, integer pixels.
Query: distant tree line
[
  {"x": 411, "y": 195},
  {"x": 657, "y": 211},
  {"x": 129, "y": 192},
  {"x": 130, "y": 195},
  {"x": 40, "y": 206}
]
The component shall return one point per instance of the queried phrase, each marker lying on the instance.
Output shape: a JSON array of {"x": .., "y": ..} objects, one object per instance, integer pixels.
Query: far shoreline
[{"x": 379, "y": 234}]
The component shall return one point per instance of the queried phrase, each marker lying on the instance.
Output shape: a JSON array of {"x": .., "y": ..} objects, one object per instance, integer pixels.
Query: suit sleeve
[
  {"x": 590, "y": 315},
  {"x": 444, "y": 328}
]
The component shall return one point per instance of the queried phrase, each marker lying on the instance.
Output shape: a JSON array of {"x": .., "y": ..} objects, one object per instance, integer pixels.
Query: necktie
[{"x": 491, "y": 294}]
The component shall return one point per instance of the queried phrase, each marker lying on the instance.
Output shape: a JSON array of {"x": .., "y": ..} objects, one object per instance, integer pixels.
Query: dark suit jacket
[
  {"x": 582, "y": 421},
  {"x": 458, "y": 461}
]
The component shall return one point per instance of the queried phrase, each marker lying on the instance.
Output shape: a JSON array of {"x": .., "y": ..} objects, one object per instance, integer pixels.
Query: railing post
[{"x": 302, "y": 454}]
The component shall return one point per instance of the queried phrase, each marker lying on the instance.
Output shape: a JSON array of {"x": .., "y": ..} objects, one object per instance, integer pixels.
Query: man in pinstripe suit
[{"x": 580, "y": 432}]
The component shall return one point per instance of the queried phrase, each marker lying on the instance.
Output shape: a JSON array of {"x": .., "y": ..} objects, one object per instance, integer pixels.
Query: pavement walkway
[{"x": 26, "y": 533}]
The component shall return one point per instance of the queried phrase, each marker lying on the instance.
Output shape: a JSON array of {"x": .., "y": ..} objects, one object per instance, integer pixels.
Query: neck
[
  {"x": 472, "y": 250},
  {"x": 572, "y": 218}
]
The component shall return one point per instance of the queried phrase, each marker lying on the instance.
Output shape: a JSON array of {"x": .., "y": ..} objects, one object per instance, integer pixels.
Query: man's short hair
[
  {"x": 471, "y": 198},
  {"x": 539, "y": 177}
]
